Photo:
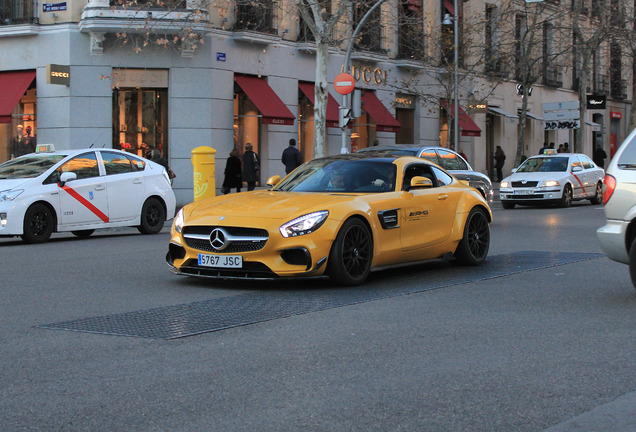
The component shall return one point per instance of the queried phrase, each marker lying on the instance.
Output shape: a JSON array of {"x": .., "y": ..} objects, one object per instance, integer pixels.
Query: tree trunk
[{"x": 321, "y": 94}]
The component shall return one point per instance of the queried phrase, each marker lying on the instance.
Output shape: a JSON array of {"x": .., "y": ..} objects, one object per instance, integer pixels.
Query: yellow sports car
[{"x": 339, "y": 216}]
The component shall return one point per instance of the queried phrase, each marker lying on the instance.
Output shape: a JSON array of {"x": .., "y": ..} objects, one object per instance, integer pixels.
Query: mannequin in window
[
  {"x": 15, "y": 141},
  {"x": 26, "y": 144}
]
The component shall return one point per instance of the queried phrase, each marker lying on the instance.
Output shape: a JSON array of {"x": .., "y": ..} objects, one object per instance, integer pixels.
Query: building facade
[{"x": 84, "y": 73}]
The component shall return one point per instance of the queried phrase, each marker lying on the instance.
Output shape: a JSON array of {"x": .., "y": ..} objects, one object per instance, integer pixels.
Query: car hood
[
  {"x": 265, "y": 205},
  {"x": 9, "y": 184}
]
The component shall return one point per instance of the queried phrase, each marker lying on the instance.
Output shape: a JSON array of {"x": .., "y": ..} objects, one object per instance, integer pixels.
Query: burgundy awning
[
  {"x": 13, "y": 85},
  {"x": 332, "y": 106},
  {"x": 466, "y": 124},
  {"x": 384, "y": 120},
  {"x": 273, "y": 110}
]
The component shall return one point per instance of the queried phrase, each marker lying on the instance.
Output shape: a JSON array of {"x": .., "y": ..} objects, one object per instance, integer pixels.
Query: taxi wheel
[
  {"x": 351, "y": 254},
  {"x": 598, "y": 195},
  {"x": 473, "y": 248},
  {"x": 152, "y": 217},
  {"x": 566, "y": 199},
  {"x": 83, "y": 233},
  {"x": 632, "y": 262},
  {"x": 38, "y": 224}
]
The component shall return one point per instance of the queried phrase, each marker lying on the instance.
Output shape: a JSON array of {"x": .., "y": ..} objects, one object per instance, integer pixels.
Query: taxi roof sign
[
  {"x": 550, "y": 152},
  {"x": 44, "y": 148}
]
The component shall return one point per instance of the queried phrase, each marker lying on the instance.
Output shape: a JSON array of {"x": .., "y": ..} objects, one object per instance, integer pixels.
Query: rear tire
[
  {"x": 598, "y": 195},
  {"x": 351, "y": 254},
  {"x": 153, "y": 216},
  {"x": 38, "y": 224},
  {"x": 473, "y": 248},
  {"x": 566, "y": 199}
]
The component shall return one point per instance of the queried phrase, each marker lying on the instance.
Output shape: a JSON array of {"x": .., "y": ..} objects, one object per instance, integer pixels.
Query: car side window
[
  {"x": 443, "y": 179},
  {"x": 575, "y": 162},
  {"x": 137, "y": 164},
  {"x": 451, "y": 161},
  {"x": 417, "y": 170},
  {"x": 430, "y": 155},
  {"x": 84, "y": 166},
  {"x": 116, "y": 163},
  {"x": 587, "y": 162}
]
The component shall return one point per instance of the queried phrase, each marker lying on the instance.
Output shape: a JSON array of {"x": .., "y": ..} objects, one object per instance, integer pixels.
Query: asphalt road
[{"x": 539, "y": 347}]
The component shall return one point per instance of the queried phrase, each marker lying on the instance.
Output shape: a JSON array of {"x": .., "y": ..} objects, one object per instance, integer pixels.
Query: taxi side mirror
[
  {"x": 67, "y": 177},
  {"x": 577, "y": 169},
  {"x": 273, "y": 181},
  {"x": 420, "y": 182}
]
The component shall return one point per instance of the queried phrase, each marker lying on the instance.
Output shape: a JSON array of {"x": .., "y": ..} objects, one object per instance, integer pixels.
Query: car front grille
[
  {"x": 251, "y": 239},
  {"x": 526, "y": 184},
  {"x": 250, "y": 270}
]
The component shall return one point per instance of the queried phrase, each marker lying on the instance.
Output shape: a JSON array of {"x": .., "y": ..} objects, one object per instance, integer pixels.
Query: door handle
[
  {"x": 442, "y": 197},
  {"x": 99, "y": 188},
  {"x": 137, "y": 181}
]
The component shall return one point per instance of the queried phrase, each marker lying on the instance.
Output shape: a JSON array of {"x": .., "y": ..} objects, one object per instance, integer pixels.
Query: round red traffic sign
[{"x": 344, "y": 83}]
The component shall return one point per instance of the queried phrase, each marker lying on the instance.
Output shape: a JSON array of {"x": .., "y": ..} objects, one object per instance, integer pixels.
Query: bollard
[{"x": 203, "y": 161}]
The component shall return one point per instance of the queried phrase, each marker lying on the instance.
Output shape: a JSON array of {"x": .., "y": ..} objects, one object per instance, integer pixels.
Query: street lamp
[{"x": 447, "y": 21}]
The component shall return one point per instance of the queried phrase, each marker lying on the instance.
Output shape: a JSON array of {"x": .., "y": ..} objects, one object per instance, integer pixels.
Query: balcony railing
[
  {"x": 552, "y": 77},
  {"x": 17, "y": 12},
  {"x": 411, "y": 45},
  {"x": 495, "y": 66},
  {"x": 619, "y": 89},
  {"x": 601, "y": 84},
  {"x": 257, "y": 17}
]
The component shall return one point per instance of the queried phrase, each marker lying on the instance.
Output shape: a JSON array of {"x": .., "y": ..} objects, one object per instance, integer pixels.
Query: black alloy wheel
[
  {"x": 153, "y": 216},
  {"x": 351, "y": 254},
  {"x": 38, "y": 224},
  {"x": 473, "y": 248}
]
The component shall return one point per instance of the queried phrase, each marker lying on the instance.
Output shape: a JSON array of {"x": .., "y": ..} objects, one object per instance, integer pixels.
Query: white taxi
[
  {"x": 80, "y": 191},
  {"x": 553, "y": 178}
]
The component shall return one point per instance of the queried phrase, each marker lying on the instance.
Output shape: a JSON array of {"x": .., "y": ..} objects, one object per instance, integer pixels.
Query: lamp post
[{"x": 446, "y": 21}]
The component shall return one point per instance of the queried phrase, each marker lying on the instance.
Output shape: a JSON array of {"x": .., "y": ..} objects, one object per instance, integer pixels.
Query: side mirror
[
  {"x": 67, "y": 177},
  {"x": 577, "y": 169},
  {"x": 465, "y": 182},
  {"x": 421, "y": 182},
  {"x": 273, "y": 181},
  {"x": 514, "y": 170}
]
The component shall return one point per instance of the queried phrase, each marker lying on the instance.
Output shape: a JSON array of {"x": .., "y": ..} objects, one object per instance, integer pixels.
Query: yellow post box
[{"x": 203, "y": 161}]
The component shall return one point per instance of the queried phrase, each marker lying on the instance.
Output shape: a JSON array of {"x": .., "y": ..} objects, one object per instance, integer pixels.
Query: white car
[
  {"x": 618, "y": 236},
  {"x": 80, "y": 191},
  {"x": 558, "y": 178}
]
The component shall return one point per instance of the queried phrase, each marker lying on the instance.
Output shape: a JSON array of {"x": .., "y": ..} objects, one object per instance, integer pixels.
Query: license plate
[
  {"x": 223, "y": 261},
  {"x": 523, "y": 192}
]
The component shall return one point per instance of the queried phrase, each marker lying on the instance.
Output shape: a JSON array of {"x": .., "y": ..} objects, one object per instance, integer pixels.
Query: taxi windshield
[
  {"x": 544, "y": 164},
  {"x": 29, "y": 166},
  {"x": 328, "y": 175}
]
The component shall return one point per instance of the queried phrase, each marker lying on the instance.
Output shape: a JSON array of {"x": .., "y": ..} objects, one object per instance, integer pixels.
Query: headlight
[
  {"x": 504, "y": 184},
  {"x": 550, "y": 183},
  {"x": 178, "y": 221},
  {"x": 10, "y": 195},
  {"x": 304, "y": 225}
]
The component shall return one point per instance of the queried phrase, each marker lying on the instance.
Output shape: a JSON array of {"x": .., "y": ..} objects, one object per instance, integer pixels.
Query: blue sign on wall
[
  {"x": 220, "y": 56},
  {"x": 54, "y": 7}
]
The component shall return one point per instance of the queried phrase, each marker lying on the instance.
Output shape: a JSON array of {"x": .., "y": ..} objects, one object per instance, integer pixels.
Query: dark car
[{"x": 444, "y": 157}]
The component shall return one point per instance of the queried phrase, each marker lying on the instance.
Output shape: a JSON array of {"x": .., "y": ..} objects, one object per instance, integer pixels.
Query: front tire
[
  {"x": 351, "y": 254},
  {"x": 598, "y": 195},
  {"x": 153, "y": 216},
  {"x": 38, "y": 224},
  {"x": 566, "y": 199},
  {"x": 473, "y": 248}
]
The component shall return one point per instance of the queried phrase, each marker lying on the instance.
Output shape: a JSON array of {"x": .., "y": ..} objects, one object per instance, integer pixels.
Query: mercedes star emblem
[{"x": 218, "y": 239}]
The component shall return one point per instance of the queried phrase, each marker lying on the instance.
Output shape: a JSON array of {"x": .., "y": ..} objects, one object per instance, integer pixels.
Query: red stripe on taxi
[{"x": 86, "y": 203}]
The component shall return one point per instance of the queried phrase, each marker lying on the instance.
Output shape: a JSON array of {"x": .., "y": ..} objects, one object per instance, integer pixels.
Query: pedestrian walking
[
  {"x": 599, "y": 156},
  {"x": 233, "y": 175},
  {"x": 291, "y": 157},
  {"x": 251, "y": 167},
  {"x": 500, "y": 158}
]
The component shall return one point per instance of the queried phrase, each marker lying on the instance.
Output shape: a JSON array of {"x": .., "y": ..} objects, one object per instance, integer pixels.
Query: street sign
[
  {"x": 344, "y": 117},
  {"x": 344, "y": 83},
  {"x": 561, "y": 106},
  {"x": 561, "y": 115}
]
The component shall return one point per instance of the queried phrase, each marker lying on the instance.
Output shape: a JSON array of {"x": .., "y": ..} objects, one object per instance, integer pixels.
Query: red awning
[
  {"x": 273, "y": 110},
  {"x": 332, "y": 106},
  {"x": 384, "y": 120},
  {"x": 449, "y": 7},
  {"x": 13, "y": 85},
  {"x": 466, "y": 124}
]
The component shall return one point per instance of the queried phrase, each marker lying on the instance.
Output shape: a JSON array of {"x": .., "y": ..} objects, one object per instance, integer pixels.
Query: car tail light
[{"x": 610, "y": 184}]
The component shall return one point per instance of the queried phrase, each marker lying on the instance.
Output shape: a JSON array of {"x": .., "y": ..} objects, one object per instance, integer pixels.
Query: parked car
[
  {"x": 80, "y": 191},
  {"x": 558, "y": 178},
  {"x": 444, "y": 157},
  {"x": 340, "y": 216},
  {"x": 618, "y": 236}
]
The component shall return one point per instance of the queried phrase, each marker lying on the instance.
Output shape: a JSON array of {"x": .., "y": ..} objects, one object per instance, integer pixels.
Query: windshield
[
  {"x": 544, "y": 164},
  {"x": 329, "y": 175},
  {"x": 29, "y": 166}
]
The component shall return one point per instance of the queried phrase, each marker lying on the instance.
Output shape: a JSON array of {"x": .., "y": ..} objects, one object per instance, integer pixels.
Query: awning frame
[{"x": 271, "y": 107}]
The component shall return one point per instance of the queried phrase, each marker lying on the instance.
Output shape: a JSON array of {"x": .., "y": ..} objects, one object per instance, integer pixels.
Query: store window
[
  {"x": 247, "y": 122},
  {"x": 405, "y": 114},
  {"x": 305, "y": 127},
  {"x": 18, "y": 120}
]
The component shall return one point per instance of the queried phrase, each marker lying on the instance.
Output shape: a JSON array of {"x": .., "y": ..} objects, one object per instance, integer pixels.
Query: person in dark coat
[
  {"x": 599, "y": 156},
  {"x": 500, "y": 158},
  {"x": 291, "y": 157},
  {"x": 251, "y": 167},
  {"x": 233, "y": 175}
]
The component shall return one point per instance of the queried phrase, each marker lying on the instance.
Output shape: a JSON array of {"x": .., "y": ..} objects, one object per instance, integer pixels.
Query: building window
[
  {"x": 256, "y": 16},
  {"x": 17, "y": 12},
  {"x": 370, "y": 36},
  {"x": 411, "y": 38},
  {"x": 618, "y": 84},
  {"x": 247, "y": 122},
  {"x": 494, "y": 62},
  {"x": 144, "y": 4}
]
